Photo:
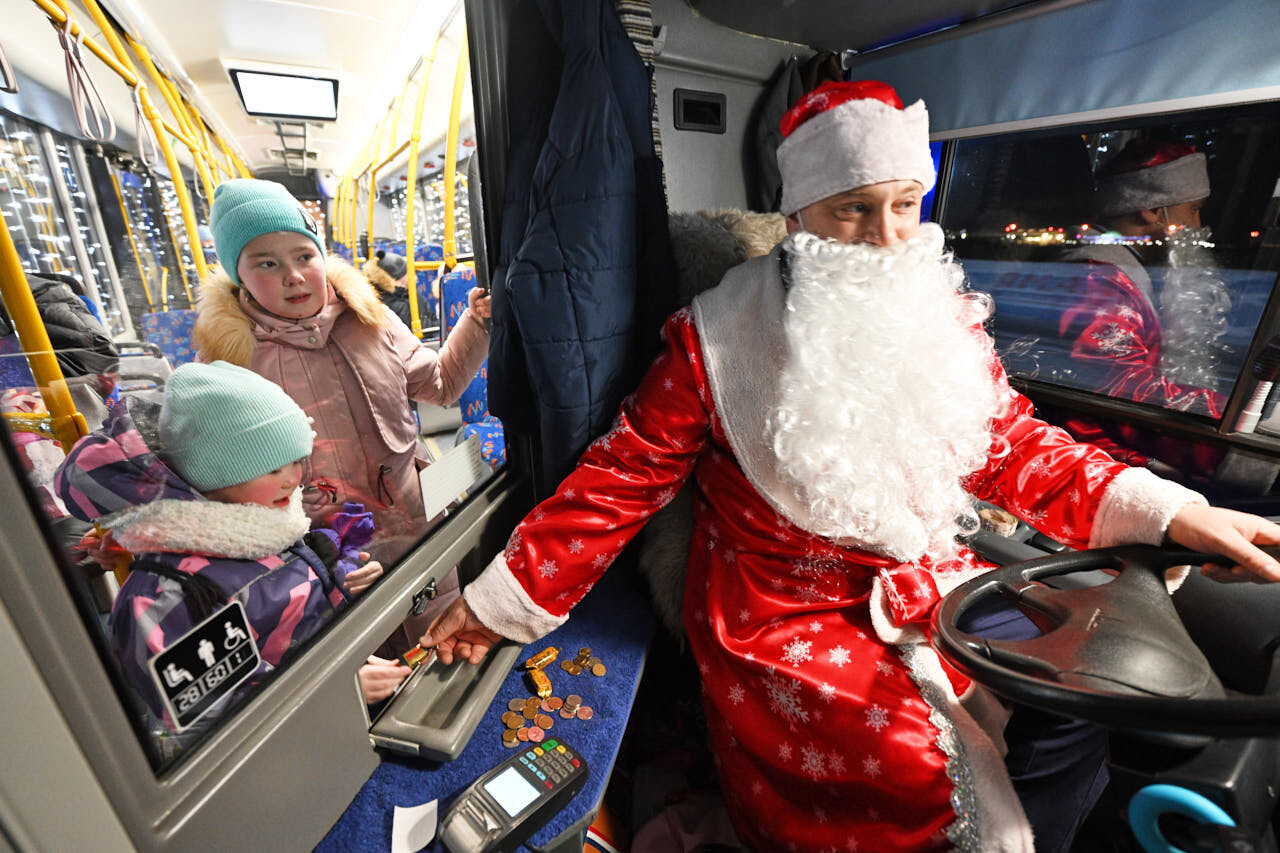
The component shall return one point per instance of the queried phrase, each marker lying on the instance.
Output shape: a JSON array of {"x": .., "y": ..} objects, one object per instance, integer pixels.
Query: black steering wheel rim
[{"x": 988, "y": 662}]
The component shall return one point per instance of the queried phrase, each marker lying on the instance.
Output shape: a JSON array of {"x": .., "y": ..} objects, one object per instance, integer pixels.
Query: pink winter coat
[{"x": 353, "y": 367}]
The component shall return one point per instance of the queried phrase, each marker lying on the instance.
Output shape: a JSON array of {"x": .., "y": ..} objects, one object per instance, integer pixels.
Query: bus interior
[{"x": 412, "y": 130}]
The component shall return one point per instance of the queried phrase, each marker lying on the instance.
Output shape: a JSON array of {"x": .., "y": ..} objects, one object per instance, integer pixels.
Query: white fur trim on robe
[
  {"x": 1137, "y": 508},
  {"x": 502, "y": 605}
]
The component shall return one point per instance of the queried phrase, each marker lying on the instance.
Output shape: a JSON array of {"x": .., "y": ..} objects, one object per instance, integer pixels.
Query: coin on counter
[
  {"x": 513, "y": 720},
  {"x": 509, "y": 739},
  {"x": 566, "y": 714},
  {"x": 573, "y": 699},
  {"x": 575, "y": 669},
  {"x": 598, "y": 669},
  {"x": 522, "y": 735},
  {"x": 543, "y": 721},
  {"x": 536, "y": 734},
  {"x": 515, "y": 705},
  {"x": 554, "y": 703},
  {"x": 585, "y": 712}
]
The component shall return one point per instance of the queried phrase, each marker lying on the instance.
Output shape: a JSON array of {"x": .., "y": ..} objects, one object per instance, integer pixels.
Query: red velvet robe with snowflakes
[{"x": 833, "y": 725}]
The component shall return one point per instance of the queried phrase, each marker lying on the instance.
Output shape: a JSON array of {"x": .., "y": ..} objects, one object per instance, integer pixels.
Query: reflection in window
[
  {"x": 1130, "y": 262},
  {"x": 27, "y": 196}
]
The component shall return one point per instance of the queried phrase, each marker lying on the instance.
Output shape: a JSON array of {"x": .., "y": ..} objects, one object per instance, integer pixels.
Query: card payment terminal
[{"x": 508, "y": 803}]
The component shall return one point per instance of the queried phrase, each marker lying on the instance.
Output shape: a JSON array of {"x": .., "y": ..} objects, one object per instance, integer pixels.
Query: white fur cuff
[
  {"x": 882, "y": 620},
  {"x": 1137, "y": 508},
  {"x": 501, "y": 603}
]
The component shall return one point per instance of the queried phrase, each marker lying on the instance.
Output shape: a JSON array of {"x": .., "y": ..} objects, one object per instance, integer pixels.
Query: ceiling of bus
[
  {"x": 369, "y": 47},
  {"x": 848, "y": 24}
]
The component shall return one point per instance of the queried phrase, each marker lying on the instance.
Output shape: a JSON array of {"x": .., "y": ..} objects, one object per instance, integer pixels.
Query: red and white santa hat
[
  {"x": 846, "y": 135},
  {"x": 1147, "y": 174}
]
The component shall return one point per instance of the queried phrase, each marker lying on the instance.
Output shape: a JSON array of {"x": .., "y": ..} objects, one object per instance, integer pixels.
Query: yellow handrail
[
  {"x": 157, "y": 125},
  {"x": 67, "y": 424},
  {"x": 128, "y": 229},
  {"x": 415, "y": 138},
  {"x": 450, "y": 171}
]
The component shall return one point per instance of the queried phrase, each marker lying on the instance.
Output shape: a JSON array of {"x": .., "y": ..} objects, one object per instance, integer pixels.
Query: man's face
[
  {"x": 1185, "y": 215},
  {"x": 880, "y": 214}
]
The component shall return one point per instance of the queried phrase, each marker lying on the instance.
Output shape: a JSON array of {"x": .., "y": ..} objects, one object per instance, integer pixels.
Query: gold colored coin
[
  {"x": 543, "y": 721},
  {"x": 575, "y": 669},
  {"x": 554, "y": 703},
  {"x": 585, "y": 650},
  {"x": 512, "y": 720},
  {"x": 598, "y": 669},
  {"x": 592, "y": 663},
  {"x": 509, "y": 739},
  {"x": 566, "y": 665},
  {"x": 530, "y": 713}
]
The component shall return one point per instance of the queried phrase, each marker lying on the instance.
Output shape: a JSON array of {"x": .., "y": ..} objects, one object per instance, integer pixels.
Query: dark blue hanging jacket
[{"x": 584, "y": 277}]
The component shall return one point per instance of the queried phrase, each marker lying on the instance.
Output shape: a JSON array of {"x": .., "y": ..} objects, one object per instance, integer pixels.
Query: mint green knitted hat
[
  {"x": 222, "y": 425},
  {"x": 245, "y": 208}
]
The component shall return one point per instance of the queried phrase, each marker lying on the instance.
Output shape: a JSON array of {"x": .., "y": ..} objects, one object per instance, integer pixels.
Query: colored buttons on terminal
[{"x": 551, "y": 744}]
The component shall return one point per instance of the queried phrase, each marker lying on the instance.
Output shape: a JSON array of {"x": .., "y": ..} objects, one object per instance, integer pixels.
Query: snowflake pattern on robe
[
  {"x": 797, "y": 651},
  {"x": 784, "y": 697}
]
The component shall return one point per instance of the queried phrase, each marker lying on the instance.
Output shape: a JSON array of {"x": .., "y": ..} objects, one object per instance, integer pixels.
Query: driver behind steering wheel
[{"x": 834, "y": 401}]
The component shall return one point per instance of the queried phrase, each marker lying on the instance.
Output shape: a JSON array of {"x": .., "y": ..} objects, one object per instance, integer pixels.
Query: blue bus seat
[
  {"x": 171, "y": 332},
  {"x": 474, "y": 402}
]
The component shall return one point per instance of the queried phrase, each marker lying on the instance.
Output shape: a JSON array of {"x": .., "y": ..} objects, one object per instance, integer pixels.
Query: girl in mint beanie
[{"x": 315, "y": 326}]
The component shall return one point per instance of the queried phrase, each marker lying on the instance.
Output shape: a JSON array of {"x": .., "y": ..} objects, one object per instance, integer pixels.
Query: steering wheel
[{"x": 1115, "y": 654}]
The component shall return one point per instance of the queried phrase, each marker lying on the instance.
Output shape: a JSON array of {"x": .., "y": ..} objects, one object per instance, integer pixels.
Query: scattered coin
[
  {"x": 573, "y": 699},
  {"x": 554, "y": 703},
  {"x": 598, "y": 669},
  {"x": 522, "y": 734},
  {"x": 515, "y": 705},
  {"x": 530, "y": 713},
  {"x": 565, "y": 713},
  {"x": 543, "y": 721},
  {"x": 566, "y": 665},
  {"x": 513, "y": 720},
  {"x": 585, "y": 712},
  {"x": 509, "y": 739},
  {"x": 585, "y": 651},
  {"x": 535, "y": 734},
  {"x": 575, "y": 669}
]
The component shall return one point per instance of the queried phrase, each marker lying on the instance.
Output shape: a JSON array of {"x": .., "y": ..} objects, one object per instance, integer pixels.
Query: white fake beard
[
  {"x": 886, "y": 398},
  {"x": 1194, "y": 307}
]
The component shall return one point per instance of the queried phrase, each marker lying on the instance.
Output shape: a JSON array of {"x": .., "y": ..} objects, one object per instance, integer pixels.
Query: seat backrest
[
  {"x": 171, "y": 331},
  {"x": 457, "y": 283}
]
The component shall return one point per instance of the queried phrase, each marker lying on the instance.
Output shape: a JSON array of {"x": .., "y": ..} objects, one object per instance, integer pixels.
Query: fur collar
[
  {"x": 209, "y": 528},
  {"x": 224, "y": 332}
]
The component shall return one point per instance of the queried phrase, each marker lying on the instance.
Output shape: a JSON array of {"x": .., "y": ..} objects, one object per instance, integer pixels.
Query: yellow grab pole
[
  {"x": 451, "y": 153},
  {"x": 415, "y": 138},
  {"x": 67, "y": 424},
  {"x": 179, "y": 113},
  {"x": 149, "y": 110},
  {"x": 128, "y": 229}
]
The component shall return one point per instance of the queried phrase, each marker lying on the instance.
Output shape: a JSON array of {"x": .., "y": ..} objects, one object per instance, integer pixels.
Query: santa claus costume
[{"x": 832, "y": 403}]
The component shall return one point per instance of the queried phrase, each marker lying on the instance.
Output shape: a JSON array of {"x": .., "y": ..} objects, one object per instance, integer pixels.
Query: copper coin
[
  {"x": 585, "y": 651},
  {"x": 515, "y": 705},
  {"x": 530, "y": 713},
  {"x": 512, "y": 720},
  {"x": 598, "y": 669},
  {"x": 509, "y": 739},
  {"x": 565, "y": 713},
  {"x": 554, "y": 703},
  {"x": 546, "y": 705},
  {"x": 591, "y": 663},
  {"x": 522, "y": 734},
  {"x": 573, "y": 699},
  {"x": 575, "y": 669},
  {"x": 531, "y": 702},
  {"x": 566, "y": 665},
  {"x": 536, "y": 734},
  {"x": 585, "y": 712},
  {"x": 543, "y": 721}
]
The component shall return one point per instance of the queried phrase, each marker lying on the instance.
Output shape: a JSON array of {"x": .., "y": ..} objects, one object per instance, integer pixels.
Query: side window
[{"x": 1131, "y": 261}]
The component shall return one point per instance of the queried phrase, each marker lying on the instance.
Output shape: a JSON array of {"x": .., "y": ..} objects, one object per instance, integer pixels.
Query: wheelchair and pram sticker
[{"x": 205, "y": 664}]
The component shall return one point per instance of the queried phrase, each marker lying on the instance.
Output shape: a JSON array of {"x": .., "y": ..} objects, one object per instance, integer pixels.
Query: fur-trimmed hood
[
  {"x": 379, "y": 277},
  {"x": 223, "y": 331}
]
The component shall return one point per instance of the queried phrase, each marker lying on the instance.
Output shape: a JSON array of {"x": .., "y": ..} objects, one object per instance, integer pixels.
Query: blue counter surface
[{"x": 615, "y": 620}]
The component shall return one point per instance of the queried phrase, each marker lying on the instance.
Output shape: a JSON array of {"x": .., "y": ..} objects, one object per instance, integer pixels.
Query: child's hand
[
  {"x": 101, "y": 547},
  {"x": 379, "y": 678},
  {"x": 358, "y": 580},
  {"x": 478, "y": 301}
]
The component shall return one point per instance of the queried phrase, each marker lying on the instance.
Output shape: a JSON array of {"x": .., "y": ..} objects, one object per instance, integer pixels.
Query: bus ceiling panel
[
  {"x": 368, "y": 48},
  {"x": 1094, "y": 61},
  {"x": 858, "y": 25}
]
